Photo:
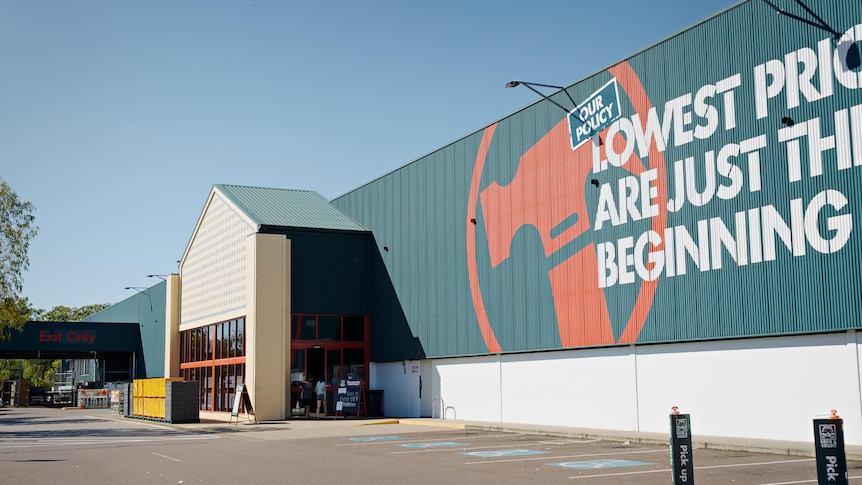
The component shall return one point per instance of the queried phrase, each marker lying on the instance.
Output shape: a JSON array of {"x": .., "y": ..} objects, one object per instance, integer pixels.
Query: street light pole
[{"x": 140, "y": 289}]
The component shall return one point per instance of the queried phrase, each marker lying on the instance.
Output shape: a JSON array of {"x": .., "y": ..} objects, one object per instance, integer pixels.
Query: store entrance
[
  {"x": 315, "y": 363},
  {"x": 329, "y": 348}
]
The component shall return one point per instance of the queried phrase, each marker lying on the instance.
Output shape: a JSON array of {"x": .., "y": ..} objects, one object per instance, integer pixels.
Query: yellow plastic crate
[
  {"x": 148, "y": 387},
  {"x": 149, "y": 396},
  {"x": 159, "y": 404},
  {"x": 153, "y": 387}
]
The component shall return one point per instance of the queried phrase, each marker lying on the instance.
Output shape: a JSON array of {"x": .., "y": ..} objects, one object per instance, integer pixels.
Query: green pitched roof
[{"x": 288, "y": 208}]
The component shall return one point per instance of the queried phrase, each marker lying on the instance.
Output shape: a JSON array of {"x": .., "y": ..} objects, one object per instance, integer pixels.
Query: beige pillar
[
  {"x": 172, "y": 326},
  {"x": 268, "y": 327}
]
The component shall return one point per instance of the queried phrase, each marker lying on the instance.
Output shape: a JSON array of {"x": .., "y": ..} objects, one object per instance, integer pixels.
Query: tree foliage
[
  {"x": 40, "y": 372},
  {"x": 66, "y": 314},
  {"x": 17, "y": 228}
]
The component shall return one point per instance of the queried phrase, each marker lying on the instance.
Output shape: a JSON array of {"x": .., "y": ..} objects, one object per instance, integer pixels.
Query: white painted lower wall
[
  {"x": 400, "y": 387},
  {"x": 762, "y": 388}
]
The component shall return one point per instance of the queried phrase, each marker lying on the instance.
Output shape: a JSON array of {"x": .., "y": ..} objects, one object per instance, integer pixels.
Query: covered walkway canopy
[
  {"x": 71, "y": 340},
  {"x": 115, "y": 347}
]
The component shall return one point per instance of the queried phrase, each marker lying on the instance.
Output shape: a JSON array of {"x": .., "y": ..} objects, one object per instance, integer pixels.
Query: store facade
[
  {"x": 256, "y": 256},
  {"x": 685, "y": 235}
]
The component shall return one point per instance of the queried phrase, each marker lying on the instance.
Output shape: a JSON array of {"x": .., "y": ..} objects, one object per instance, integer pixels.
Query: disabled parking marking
[
  {"x": 439, "y": 444},
  {"x": 367, "y": 439},
  {"x": 599, "y": 464},
  {"x": 499, "y": 453}
]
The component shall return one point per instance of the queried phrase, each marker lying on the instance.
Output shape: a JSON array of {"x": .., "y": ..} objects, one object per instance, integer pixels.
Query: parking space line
[
  {"x": 601, "y": 464},
  {"x": 494, "y": 446},
  {"x": 373, "y": 439},
  {"x": 507, "y": 452},
  {"x": 554, "y": 457},
  {"x": 433, "y": 450},
  {"x": 566, "y": 442},
  {"x": 408, "y": 440},
  {"x": 696, "y": 468},
  {"x": 435, "y": 445},
  {"x": 805, "y": 481},
  {"x": 644, "y": 472},
  {"x": 12, "y": 444},
  {"x": 165, "y": 456}
]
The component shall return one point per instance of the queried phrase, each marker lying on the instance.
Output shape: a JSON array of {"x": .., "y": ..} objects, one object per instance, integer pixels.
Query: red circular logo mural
[{"x": 542, "y": 194}]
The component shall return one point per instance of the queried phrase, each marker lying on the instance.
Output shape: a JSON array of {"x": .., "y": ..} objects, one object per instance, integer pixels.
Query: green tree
[
  {"x": 40, "y": 372},
  {"x": 66, "y": 314},
  {"x": 16, "y": 231}
]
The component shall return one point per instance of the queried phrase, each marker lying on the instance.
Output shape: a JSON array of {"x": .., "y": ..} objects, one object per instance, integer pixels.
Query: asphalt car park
[
  {"x": 522, "y": 458},
  {"x": 93, "y": 446}
]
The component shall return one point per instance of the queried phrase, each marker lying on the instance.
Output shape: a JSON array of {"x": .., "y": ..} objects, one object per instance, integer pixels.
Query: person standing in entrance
[
  {"x": 321, "y": 396},
  {"x": 307, "y": 395}
]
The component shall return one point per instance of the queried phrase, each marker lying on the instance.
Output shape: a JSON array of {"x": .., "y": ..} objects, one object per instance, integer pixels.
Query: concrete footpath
[{"x": 314, "y": 427}]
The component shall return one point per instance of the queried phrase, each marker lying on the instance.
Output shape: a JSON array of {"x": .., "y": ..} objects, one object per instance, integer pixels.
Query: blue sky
[{"x": 117, "y": 117}]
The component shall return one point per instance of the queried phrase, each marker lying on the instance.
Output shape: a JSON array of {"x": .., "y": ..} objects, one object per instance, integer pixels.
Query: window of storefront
[{"x": 214, "y": 356}]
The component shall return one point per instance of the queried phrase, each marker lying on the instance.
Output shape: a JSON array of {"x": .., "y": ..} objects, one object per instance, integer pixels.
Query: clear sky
[{"x": 117, "y": 117}]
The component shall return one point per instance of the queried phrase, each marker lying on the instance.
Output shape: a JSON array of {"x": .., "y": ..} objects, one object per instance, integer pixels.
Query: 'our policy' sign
[{"x": 594, "y": 114}]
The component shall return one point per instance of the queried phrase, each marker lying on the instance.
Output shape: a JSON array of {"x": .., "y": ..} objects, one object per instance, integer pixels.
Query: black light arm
[
  {"x": 819, "y": 24},
  {"x": 515, "y": 83},
  {"x": 140, "y": 289}
]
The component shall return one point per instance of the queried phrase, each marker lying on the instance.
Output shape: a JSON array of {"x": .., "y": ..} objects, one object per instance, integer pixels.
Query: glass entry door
[{"x": 331, "y": 347}]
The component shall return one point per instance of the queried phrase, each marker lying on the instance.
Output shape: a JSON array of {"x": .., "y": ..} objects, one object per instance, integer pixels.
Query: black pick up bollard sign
[
  {"x": 681, "y": 459},
  {"x": 829, "y": 450}
]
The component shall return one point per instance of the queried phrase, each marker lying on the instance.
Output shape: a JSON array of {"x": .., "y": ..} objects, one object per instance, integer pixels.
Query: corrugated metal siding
[
  {"x": 420, "y": 211},
  {"x": 146, "y": 308}
]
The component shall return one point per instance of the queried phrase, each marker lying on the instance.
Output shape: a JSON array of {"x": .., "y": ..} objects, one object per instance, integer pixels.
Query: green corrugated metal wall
[
  {"x": 545, "y": 294},
  {"x": 147, "y": 308}
]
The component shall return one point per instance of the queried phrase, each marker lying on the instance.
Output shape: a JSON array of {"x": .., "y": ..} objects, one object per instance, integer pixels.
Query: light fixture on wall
[
  {"x": 817, "y": 22},
  {"x": 386, "y": 248},
  {"x": 140, "y": 289},
  {"x": 515, "y": 83},
  {"x": 162, "y": 277}
]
